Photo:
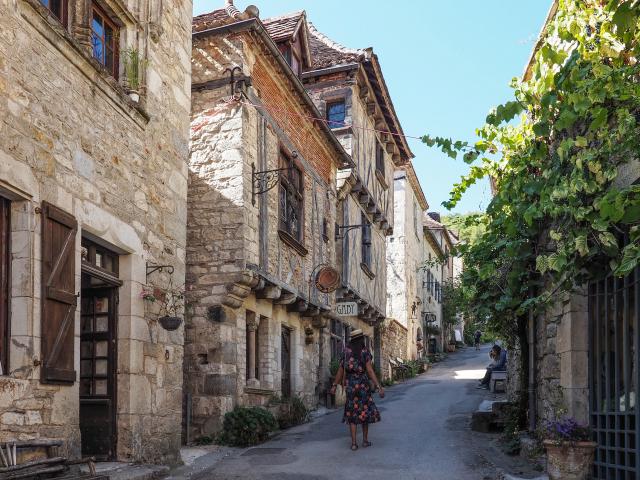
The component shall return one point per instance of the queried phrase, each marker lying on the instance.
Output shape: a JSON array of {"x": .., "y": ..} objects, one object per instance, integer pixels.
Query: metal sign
[{"x": 347, "y": 309}]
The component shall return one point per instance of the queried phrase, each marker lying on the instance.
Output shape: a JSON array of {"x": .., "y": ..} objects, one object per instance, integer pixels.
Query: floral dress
[{"x": 359, "y": 407}]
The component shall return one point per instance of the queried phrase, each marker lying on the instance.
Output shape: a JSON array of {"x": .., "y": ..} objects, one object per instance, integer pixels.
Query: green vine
[{"x": 559, "y": 216}]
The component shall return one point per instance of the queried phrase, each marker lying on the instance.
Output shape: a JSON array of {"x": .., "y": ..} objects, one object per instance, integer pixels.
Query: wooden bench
[{"x": 498, "y": 377}]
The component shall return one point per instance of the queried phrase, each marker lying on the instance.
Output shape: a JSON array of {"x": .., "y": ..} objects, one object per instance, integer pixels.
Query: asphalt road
[{"x": 424, "y": 434}]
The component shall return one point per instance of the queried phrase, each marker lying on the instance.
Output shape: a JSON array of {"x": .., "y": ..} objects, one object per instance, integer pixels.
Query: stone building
[
  {"x": 433, "y": 278},
  {"x": 406, "y": 292},
  {"x": 350, "y": 91},
  {"x": 262, "y": 210},
  {"x": 92, "y": 193}
]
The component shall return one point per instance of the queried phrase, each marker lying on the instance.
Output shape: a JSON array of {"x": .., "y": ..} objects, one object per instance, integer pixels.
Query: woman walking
[{"x": 357, "y": 372}]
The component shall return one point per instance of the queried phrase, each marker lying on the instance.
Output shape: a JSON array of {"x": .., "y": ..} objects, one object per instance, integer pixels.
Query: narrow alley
[{"x": 424, "y": 434}]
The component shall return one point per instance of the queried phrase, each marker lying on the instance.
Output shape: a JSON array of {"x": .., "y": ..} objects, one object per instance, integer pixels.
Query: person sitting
[{"x": 499, "y": 364}]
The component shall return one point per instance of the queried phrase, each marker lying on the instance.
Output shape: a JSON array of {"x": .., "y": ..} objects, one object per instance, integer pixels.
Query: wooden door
[
  {"x": 5, "y": 274},
  {"x": 97, "y": 372},
  {"x": 285, "y": 354}
]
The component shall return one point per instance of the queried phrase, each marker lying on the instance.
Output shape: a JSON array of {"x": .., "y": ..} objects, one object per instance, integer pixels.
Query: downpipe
[{"x": 533, "y": 421}]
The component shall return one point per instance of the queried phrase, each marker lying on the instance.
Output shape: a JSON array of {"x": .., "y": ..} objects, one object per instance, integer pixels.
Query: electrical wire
[{"x": 330, "y": 123}]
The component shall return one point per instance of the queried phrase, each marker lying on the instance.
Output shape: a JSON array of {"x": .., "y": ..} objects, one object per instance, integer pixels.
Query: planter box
[{"x": 569, "y": 460}]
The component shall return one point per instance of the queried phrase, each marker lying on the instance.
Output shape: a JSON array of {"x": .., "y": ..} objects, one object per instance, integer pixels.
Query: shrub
[
  {"x": 334, "y": 366},
  {"x": 292, "y": 412},
  {"x": 246, "y": 426}
]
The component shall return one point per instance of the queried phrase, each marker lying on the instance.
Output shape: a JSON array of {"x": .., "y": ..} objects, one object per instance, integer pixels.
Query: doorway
[
  {"x": 98, "y": 351},
  {"x": 285, "y": 361}
]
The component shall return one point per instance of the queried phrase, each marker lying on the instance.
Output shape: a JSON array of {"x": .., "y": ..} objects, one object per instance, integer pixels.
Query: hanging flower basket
[{"x": 170, "y": 323}]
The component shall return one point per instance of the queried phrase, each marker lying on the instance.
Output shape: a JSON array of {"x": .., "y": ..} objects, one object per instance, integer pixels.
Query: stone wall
[
  {"x": 394, "y": 345},
  {"x": 70, "y": 135},
  {"x": 239, "y": 265}
]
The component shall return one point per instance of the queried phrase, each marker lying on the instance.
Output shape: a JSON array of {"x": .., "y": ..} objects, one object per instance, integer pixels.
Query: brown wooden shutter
[{"x": 58, "y": 295}]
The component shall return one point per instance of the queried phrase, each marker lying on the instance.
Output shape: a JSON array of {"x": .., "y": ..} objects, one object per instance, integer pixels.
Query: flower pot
[
  {"x": 569, "y": 460},
  {"x": 170, "y": 323}
]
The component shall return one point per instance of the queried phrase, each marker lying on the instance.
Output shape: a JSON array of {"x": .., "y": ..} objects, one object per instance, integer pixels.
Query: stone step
[{"x": 129, "y": 471}]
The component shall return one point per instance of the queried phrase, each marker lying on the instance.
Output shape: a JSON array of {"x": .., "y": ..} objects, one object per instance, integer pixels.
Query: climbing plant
[{"x": 554, "y": 155}]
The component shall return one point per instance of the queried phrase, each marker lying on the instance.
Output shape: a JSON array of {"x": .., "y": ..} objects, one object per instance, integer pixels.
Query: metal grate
[{"x": 614, "y": 346}]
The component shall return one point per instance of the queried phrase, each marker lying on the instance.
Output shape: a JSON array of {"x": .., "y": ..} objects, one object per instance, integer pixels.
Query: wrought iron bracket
[
  {"x": 346, "y": 228},
  {"x": 262, "y": 182},
  {"x": 159, "y": 268}
]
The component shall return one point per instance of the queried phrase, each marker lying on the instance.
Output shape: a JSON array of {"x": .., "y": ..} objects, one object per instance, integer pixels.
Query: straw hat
[{"x": 356, "y": 334}]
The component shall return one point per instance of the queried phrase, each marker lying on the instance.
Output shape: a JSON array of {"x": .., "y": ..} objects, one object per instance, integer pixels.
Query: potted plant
[
  {"x": 133, "y": 66},
  {"x": 570, "y": 450},
  {"x": 171, "y": 304}
]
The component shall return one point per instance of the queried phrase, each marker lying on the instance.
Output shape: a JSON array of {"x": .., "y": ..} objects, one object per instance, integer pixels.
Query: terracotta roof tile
[
  {"x": 283, "y": 27},
  {"x": 327, "y": 53},
  {"x": 210, "y": 20}
]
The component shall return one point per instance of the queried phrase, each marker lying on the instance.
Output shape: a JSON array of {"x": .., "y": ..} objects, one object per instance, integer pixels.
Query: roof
[
  {"x": 285, "y": 26},
  {"x": 327, "y": 54},
  {"x": 210, "y": 20}
]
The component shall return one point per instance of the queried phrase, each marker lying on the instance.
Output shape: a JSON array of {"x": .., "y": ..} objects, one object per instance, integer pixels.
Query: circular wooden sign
[{"x": 327, "y": 279}]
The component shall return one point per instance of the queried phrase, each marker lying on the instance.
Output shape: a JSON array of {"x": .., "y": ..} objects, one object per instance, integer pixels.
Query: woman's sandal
[
  {"x": 354, "y": 447},
  {"x": 366, "y": 444}
]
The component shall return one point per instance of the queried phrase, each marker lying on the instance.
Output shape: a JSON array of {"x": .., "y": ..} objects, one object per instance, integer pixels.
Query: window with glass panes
[
  {"x": 291, "y": 198},
  {"x": 336, "y": 113},
  {"x": 366, "y": 241},
  {"x": 58, "y": 9},
  {"x": 104, "y": 38}
]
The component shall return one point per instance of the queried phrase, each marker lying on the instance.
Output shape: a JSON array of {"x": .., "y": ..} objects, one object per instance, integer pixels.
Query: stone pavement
[{"x": 424, "y": 434}]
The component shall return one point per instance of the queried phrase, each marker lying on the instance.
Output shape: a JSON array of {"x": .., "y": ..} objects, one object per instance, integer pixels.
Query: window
[
  {"x": 99, "y": 256},
  {"x": 104, "y": 37},
  {"x": 5, "y": 273},
  {"x": 380, "y": 159},
  {"x": 366, "y": 242},
  {"x": 291, "y": 198},
  {"x": 336, "y": 114},
  {"x": 291, "y": 57},
  {"x": 58, "y": 9},
  {"x": 337, "y": 338}
]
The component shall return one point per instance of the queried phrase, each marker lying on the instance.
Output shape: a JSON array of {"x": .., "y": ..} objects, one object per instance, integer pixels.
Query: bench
[
  {"x": 498, "y": 377},
  {"x": 397, "y": 367}
]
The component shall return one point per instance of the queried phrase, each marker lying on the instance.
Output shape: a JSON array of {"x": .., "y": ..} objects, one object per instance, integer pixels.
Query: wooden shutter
[{"x": 58, "y": 295}]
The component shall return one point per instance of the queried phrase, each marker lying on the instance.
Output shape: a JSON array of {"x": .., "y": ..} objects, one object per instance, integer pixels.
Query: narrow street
[{"x": 424, "y": 434}]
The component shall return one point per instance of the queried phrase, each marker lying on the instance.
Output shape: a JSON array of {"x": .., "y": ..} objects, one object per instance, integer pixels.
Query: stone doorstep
[
  {"x": 129, "y": 471},
  {"x": 506, "y": 476}
]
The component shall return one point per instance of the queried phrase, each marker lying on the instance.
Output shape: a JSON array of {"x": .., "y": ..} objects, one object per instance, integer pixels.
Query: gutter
[
  {"x": 254, "y": 24},
  {"x": 329, "y": 70}
]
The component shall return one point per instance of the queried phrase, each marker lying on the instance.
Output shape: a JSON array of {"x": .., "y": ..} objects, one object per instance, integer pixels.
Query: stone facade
[
  {"x": 258, "y": 322},
  {"x": 406, "y": 250},
  {"x": 395, "y": 338},
  {"x": 71, "y": 137}
]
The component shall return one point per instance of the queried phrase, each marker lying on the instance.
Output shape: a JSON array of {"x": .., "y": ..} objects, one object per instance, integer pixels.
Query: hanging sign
[{"x": 347, "y": 309}]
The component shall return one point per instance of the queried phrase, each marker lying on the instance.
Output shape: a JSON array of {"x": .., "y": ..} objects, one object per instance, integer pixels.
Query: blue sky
[{"x": 447, "y": 63}]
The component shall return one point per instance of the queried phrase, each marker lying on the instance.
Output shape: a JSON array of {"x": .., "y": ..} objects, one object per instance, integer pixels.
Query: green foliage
[
  {"x": 557, "y": 219},
  {"x": 133, "y": 66},
  {"x": 292, "y": 412},
  {"x": 247, "y": 426},
  {"x": 468, "y": 226},
  {"x": 334, "y": 366},
  {"x": 511, "y": 433}
]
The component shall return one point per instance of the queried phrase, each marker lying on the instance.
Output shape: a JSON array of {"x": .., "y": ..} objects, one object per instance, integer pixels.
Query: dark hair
[
  {"x": 357, "y": 345},
  {"x": 496, "y": 348}
]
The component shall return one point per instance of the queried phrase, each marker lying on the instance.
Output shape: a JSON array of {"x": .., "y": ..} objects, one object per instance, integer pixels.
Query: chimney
[
  {"x": 232, "y": 11},
  {"x": 435, "y": 216}
]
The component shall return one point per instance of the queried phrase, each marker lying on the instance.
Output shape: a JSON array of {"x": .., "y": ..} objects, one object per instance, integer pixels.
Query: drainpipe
[{"x": 532, "y": 369}]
